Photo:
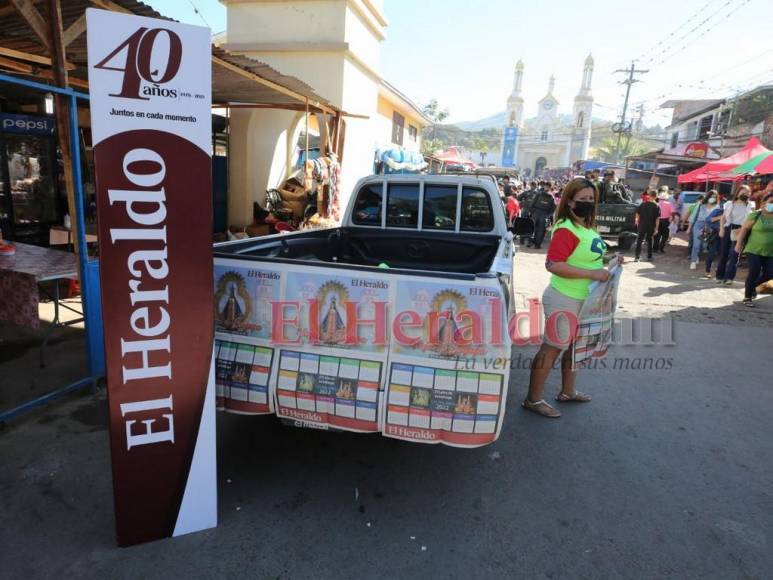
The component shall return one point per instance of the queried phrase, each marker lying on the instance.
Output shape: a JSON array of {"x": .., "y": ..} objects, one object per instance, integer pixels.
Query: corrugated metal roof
[
  {"x": 231, "y": 87},
  {"x": 228, "y": 86}
]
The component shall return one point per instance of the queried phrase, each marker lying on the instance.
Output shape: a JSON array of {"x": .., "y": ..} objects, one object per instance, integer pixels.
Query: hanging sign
[
  {"x": 26, "y": 124},
  {"x": 151, "y": 92},
  {"x": 508, "y": 147},
  {"x": 697, "y": 149}
]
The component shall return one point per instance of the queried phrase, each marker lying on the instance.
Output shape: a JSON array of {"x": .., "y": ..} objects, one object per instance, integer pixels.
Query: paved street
[{"x": 665, "y": 474}]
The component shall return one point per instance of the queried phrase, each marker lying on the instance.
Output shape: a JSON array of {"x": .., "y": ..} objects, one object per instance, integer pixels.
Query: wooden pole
[
  {"x": 32, "y": 70},
  {"x": 307, "y": 130},
  {"x": 341, "y": 142},
  {"x": 35, "y": 21},
  {"x": 61, "y": 110},
  {"x": 336, "y": 132}
]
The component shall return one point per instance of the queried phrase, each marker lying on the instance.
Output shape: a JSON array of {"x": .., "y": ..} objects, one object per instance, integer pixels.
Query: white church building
[{"x": 546, "y": 141}]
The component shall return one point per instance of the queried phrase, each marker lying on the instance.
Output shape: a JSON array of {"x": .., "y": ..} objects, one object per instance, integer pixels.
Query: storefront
[{"x": 30, "y": 198}]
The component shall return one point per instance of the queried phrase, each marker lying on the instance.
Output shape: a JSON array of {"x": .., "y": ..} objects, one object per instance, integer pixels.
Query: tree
[
  {"x": 435, "y": 114},
  {"x": 429, "y": 146},
  {"x": 606, "y": 149},
  {"x": 481, "y": 145}
]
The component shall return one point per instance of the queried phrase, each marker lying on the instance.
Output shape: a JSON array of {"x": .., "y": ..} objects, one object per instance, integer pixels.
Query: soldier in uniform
[
  {"x": 542, "y": 207},
  {"x": 525, "y": 200}
]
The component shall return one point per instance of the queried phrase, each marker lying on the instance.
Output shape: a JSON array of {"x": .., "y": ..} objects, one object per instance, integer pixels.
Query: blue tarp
[
  {"x": 399, "y": 160},
  {"x": 590, "y": 165}
]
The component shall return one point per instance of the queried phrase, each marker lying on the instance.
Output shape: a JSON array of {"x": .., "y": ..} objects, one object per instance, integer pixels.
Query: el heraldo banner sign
[{"x": 150, "y": 85}]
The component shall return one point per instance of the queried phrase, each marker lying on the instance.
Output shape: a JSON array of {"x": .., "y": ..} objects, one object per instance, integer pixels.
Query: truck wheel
[{"x": 625, "y": 241}]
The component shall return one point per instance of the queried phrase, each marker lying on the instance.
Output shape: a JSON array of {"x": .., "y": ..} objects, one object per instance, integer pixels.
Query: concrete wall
[
  {"x": 383, "y": 124},
  {"x": 334, "y": 47},
  {"x": 318, "y": 21},
  {"x": 363, "y": 38},
  {"x": 262, "y": 143},
  {"x": 360, "y": 96}
]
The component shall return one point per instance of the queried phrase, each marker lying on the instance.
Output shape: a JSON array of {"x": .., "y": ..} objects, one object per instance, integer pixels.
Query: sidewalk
[{"x": 665, "y": 286}]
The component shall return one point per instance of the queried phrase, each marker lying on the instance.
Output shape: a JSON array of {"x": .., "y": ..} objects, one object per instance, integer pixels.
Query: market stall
[
  {"x": 24, "y": 267},
  {"x": 453, "y": 160},
  {"x": 50, "y": 162},
  {"x": 722, "y": 169}
]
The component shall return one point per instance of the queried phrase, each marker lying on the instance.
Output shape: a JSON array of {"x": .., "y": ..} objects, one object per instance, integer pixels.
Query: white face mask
[{"x": 712, "y": 200}]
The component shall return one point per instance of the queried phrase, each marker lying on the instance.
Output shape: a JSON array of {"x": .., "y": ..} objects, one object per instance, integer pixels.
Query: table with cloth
[{"x": 20, "y": 277}]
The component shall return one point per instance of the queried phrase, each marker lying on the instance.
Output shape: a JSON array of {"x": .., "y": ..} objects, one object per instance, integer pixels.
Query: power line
[
  {"x": 708, "y": 29},
  {"x": 677, "y": 29},
  {"x": 742, "y": 85},
  {"x": 200, "y": 15},
  {"x": 738, "y": 65},
  {"x": 702, "y": 85},
  {"x": 652, "y": 58}
]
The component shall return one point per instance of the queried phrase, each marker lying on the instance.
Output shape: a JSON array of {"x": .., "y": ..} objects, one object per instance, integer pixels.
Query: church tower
[
  {"x": 513, "y": 119},
  {"x": 583, "y": 111}
]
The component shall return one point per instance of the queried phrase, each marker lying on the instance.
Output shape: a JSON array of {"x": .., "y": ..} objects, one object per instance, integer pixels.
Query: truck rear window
[
  {"x": 476, "y": 211},
  {"x": 367, "y": 207},
  {"x": 403, "y": 205},
  {"x": 439, "y": 207}
]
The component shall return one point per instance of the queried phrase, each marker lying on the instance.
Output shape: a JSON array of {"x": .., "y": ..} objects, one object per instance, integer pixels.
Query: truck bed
[{"x": 411, "y": 250}]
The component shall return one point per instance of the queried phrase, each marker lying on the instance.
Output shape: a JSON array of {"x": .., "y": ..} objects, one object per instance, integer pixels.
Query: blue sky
[{"x": 464, "y": 52}]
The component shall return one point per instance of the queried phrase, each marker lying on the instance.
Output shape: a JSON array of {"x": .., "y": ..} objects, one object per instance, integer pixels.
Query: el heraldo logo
[{"x": 142, "y": 63}]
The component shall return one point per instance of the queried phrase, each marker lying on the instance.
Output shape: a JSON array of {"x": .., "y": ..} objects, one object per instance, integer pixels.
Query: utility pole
[
  {"x": 726, "y": 125},
  {"x": 622, "y": 127},
  {"x": 640, "y": 120}
]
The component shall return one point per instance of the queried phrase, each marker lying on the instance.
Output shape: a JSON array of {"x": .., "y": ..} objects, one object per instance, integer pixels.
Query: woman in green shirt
[
  {"x": 575, "y": 260},
  {"x": 757, "y": 232}
]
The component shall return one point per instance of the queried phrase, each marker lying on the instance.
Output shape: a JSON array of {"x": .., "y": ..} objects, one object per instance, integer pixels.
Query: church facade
[{"x": 547, "y": 141}]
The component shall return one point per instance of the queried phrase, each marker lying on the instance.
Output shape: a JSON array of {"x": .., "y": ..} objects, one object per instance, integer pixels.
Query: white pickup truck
[{"x": 395, "y": 322}]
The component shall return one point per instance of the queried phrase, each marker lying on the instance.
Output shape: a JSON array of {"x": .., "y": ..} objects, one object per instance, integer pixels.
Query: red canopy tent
[
  {"x": 720, "y": 170},
  {"x": 452, "y": 155},
  {"x": 764, "y": 167}
]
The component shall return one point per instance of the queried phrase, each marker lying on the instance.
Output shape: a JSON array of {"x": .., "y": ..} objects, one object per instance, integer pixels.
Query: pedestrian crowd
[
  {"x": 723, "y": 230},
  {"x": 730, "y": 230},
  {"x": 726, "y": 230}
]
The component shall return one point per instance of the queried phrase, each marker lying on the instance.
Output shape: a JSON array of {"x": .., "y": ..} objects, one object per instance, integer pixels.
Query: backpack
[{"x": 543, "y": 202}]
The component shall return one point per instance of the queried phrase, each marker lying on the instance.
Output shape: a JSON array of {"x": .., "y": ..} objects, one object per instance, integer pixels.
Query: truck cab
[{"x": 451, "y": 223}]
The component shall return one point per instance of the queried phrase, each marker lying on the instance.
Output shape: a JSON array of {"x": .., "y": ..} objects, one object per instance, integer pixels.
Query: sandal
[
  {"x": 577, "y": 397},
  {"x": 541, "y": 407}
]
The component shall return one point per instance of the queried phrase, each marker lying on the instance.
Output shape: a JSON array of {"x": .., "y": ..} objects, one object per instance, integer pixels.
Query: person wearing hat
[
  {"x": 666, "y": 215},
  {"x": 541, "y": 209},
  {"x": 606, "y": 187}
]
